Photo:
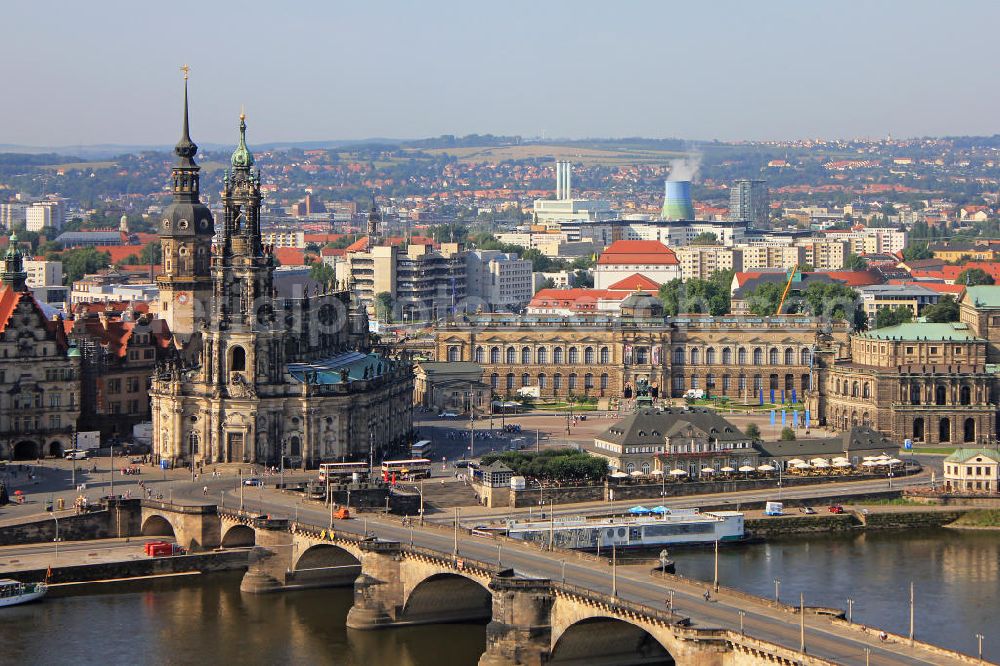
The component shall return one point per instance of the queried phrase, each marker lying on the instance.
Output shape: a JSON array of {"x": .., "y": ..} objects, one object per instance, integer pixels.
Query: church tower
[
  {"x": 186, "y": 232},
  {"x": 13, "y": 274}
]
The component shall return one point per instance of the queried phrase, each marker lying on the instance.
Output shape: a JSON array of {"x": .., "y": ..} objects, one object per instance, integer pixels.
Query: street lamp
[
  {"x": 777, "y": 591},
  {"x": 742, "y": 614},
  {"x": 850, "y": 611},
  {"x": 979, "y": 639},
  {"x": 614, "y": 571}
]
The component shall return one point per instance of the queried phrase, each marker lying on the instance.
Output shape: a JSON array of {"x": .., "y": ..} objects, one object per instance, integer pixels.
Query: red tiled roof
[
  {"x": 362, "y": 243},
  {"x": 290, "y": 256},
  {"x": 11, "y": 298},
  {"x": 120, "y": 253},
  {"x": 854, "y": 278},
  {"x": 635, "y": 282},
  {"x": 332, "y": 252},
  {"x": 638, "y": 252}
]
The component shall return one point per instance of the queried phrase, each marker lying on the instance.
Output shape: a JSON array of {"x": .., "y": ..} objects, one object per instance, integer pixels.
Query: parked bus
[
  {"x": 421, "y": 449},
  {"x": 415, "y": 468},
  {"x": 341, "y": 471}
]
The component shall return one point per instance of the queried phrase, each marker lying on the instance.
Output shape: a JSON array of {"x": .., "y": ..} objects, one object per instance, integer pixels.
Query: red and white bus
[
  {"x": 341, "y": 471},
  {"x": 414, "y": 468}
]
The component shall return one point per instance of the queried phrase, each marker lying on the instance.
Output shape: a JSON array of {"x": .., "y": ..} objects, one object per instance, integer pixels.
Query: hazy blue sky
[{"x": 107, "y": 72}]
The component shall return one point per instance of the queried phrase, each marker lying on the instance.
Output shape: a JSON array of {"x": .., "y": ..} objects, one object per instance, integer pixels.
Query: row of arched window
[
  {"x": 757, "y": 354},
  {"x": 542, "y": 380},
  {"x": 542, "y": 355}
]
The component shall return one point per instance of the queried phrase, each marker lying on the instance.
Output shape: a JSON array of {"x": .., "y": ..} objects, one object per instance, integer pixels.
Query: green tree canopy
[
  {"x": 917, "y": 251},
  {"x": 698, "y": 296},
  {"x": 763, "y": 301},
  {"x": 552, "y": 464},
  {"x": 787, "y": 435},
  {"x": 323, "y": 273},
  {"x": 855, "y": 263},
  {"x": 383, "y": 306},
  {"x": 974, "y": 276},
  {"x": 887, "y": 316},
  {"x": 705, "y": 238},
  {"x": 79, "y": 262},
  {"x": 752, "y": 431},
  {"x": 945, "y": 310}
]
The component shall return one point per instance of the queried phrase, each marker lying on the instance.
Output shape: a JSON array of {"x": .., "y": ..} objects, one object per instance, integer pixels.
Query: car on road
[
  {"x": 459, "y": 464},
  {"x": 808, "y": 510},
  {"x": 448, "y": 415},
  {"x": 836, "y": 508},
  {"x": 253, "y": 482},
  {"x": 75, "y": 454}
]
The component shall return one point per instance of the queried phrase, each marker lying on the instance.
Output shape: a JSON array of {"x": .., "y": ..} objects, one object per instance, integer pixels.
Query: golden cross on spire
[
  {"x": 243, "y": 113},
  {"x": 185, "y": 69}
]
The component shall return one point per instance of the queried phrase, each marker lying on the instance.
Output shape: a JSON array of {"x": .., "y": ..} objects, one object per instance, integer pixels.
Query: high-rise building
[
  {"x": 13, "y": 215},
  {"x": 748, "y": 200},
  {"x": 499, "y": 280},
  {"x": 44, "y": 215}
]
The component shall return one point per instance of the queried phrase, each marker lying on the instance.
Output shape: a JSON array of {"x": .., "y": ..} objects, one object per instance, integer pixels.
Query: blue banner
[
  {"x": 762, "y": 396},
  {"x": 795, "y": 420},
  {"x": 772, "y": 417},
  {"x": 807, "y": 419},
  {"x": 784, "y": 418},
  {"x": 782, "y": 396},
  {"x": 794, "y": 397},
  {"x": 772, "y": 396}
]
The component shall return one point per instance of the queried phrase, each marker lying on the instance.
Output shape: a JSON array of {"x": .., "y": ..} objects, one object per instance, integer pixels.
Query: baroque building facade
[
  {"x": 39, "y": 370},
  {"x": 739, "y": 357},
  {"x": 269, "y": 372}
]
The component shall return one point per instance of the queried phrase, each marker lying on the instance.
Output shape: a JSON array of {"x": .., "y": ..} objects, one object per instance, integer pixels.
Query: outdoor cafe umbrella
[
  {"x": 869, "y": 463},
  {"x": 803, "y": 465},
  {"x": 746, "y": 468},
  {"x": 657, "y": 472},
  {"x": 727, "y": 469},
  {"x": 841, "y": 463},
  {"x": 639, "y": 510},
  {"x": 677, "y": 472},
  {"x": 817, "y": 460},
  {"x": 841, "y": 459},
  {"x": 660, "y": 510},
  {"x": 822, "y": 464},
  {"x": 618, "y": 475},
  {"x": 765, "y": 468},
  {"x": 18, "y": 492},
  {"x": 636, "y": 473},
  {"x": 707, "y": 470},
  {"x": 796, "y": 461},
  {"x": 895, "y": 461}
]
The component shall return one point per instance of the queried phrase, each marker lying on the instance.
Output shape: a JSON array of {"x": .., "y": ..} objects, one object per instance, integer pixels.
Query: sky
[{"x": 107, "y": 72}]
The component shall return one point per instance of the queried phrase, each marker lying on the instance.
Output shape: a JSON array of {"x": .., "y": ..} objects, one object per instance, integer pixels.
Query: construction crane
[{"x": 788, "y": 287}]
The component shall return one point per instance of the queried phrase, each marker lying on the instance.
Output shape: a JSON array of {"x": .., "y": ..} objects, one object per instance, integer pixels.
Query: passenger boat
[
  {"x": 671, "y": 527},
  {"x": 13, "y": 592}
]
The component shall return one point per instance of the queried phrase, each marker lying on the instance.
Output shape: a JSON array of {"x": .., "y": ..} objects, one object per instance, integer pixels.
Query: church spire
[
  {"x": 373, "y": 224},
  {"x": 185, "y": 172},
  {"x": 242, "y": 157},
  {"x": 13, "y": 273}
]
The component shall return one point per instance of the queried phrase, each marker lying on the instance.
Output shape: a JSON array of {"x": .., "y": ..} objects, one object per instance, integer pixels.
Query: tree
[
  {"x": 752, "y": 431},
  {"x": 945, "y": 310},
  {"x": 152, "y": 253},
  {"x": 971, "y": 277},
  {"x": 705, "y": 238},
  {"x": 763, "y": 301},
  {"x": 322, "y": 273},
  {"x": 787, "y": 435},
  {"x": 548, "y": 283},
  {"x": 80, "y": 262},
  {"x": 887, "y": 316},
  {"x": 709, "y": 296},
  {"x": 917, "y": 251},
  {"x": 855, "y": 263},
  {"x": 583, "y": 279},
  {"x": 383, "y": 306}
]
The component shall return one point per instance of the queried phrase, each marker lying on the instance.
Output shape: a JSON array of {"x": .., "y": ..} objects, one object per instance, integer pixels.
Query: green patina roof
[
  {"x": 242, "y": 157},
  {"x": 984, "y": 295},
  {"x": 922, "y": 331},
  {"x": 962, "y": 455}
]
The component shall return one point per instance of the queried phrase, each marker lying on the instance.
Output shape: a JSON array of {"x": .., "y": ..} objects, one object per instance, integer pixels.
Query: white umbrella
[
  {"x": 677, "y": 472},
  {"x": 881, "y": 462},
  {"x": 618, "y": 475},
  {"x": 869, "y": 463},
  {"x": 636, "y": 473},
  {"x": 870, "y": 458},
  {"x": 746, "y": 468},
  {"x": 842, "y": 463},
  {"x": 895, "y": 461},
  {"x": 707, "y": 470},
  {"x": 764, "y": 468},
  {"x": 841, "y": 459},
  {"x": 817, "y": 460},
  {"x": 727, "y": 469},
  {"x": 796, "y": 461},
  {"x": 803, "y": 466},
  {"x": 821, "y": 465},
  {"x": 657, "y": 472}
]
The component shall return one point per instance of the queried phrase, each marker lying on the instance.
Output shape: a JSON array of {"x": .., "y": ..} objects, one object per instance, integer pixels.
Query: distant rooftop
[{"x": 922, "y": 331}]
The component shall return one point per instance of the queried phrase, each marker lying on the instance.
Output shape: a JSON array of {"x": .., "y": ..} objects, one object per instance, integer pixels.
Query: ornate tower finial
[
  {"x": 186, "y": 149},
  {"x": 13, "y": 272},
  {"x": 242, "y": 157}
]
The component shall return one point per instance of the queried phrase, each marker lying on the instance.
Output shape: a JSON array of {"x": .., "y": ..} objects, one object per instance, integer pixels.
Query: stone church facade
[{"x": 264, "y": 372}]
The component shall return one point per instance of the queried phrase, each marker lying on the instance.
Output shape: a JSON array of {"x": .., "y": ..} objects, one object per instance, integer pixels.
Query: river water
[
  {"x": 205, "y": 619},
  {"x": 956, "y": 576}
]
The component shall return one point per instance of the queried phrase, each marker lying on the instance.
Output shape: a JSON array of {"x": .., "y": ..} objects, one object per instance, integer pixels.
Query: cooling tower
[{"x": 677, "y": 201}]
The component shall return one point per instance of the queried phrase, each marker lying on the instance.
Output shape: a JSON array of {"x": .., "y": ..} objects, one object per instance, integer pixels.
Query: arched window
[
  {"x": 918, "y": 429},
  {"x": 866, "y": 392},
  {"x": 969, "y": 430},
  {"x": 629, "y": 468},
  {"x": 479, "y": 355},
  {"x": 453, "y": 354},
  {"x": 695, "y": 356},
  {"x": 557, "y": 381},
  {"x": 294, "y": 446},
  {"x": 805, "y": 381},
  {"x": 965, "y": 396},
  {"x": 694, "y": 381},
  {"x": 541, "y": 380},
  {"x": 495, "y": 380},
  {"x": 574, "y": 356},
  {"x": 588, "y": 355},
  {"x": 679, "y": 356},
  {"x": 238, "y": 360},
  {"x": 525, "y": 379},
  {"x": 772, "y": 356},
  {"x": 510, "y": 380},
  {"x": 758, "y": 356},
  {"x": 914, "y": 394},
  {"x": 494, "y": 354},
  {"x": 939, "y": 395},
  {"x": 604, "y": 381},
  {"x": 772, "y": 381},
  {"x": 710, "y": 356},
  {"x": 757, "y": 383},
  {"x": 805, "y": 357},
  {"x": 571, "y": 384},
  {"x": 725, "y": 384},
  {"x": 944, "y": 430},
  {"x": 557, "y": 356},
  {"x": 789, "y": 356},
  {"x": 542, "y": 355},
  {"x": 511, "y": 355},
  {"x": 789, "y": 385},
  {"x": 855, "y": 389},
  {"x": 741, "y": 356},
  {"x": 645, "y": 469},
  {"x": 588, "y": 381},
  {"x": 727, "y": 356},
  {"x": 525, "y": 356},
  {"x": 605, "y": 356},
  {"x": 193, "y": 444}
]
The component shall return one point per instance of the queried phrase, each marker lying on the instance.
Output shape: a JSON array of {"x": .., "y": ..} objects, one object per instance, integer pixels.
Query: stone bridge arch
[
  {"x": 447, "y": 596},
  {"x": 194, "y": 527},
  {"x": 238, "y": 535},
  {"x": 322, "y": 555}
]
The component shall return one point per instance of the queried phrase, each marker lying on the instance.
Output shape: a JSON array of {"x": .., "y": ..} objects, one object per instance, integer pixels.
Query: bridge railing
[
  {"x": 665, "y": 616},
  {"x": 196, "y": 509}
]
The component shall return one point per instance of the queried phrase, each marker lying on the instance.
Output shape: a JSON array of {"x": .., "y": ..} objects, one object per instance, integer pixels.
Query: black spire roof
[{"x": 186, "y": 149}]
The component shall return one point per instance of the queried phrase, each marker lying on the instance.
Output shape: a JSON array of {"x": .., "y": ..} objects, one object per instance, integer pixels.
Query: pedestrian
[{"x": 708, "y": 595}]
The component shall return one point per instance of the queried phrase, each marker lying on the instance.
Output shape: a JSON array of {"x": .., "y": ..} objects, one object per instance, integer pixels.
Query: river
[
  {"x": 956, "y": 576},
  {"x": 205, "y": 619}
]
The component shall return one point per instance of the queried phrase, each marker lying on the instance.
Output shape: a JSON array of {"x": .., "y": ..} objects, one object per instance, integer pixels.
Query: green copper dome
[
  {"x": 12, "y": 250},
  {"x": 242, "y": 157}
]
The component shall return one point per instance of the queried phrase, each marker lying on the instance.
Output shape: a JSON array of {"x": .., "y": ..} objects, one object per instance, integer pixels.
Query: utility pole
[
  {"x": 979, "y": 638},
  {"x": 455, "y": 551},
  {"x": 614, "y": 571},
  {"x": 552, "y": 524},
  {"x": 850, "y": 611},
  {"x": 472, "y": 428},
  {"x": 911, "y": 612},
  {"x": 716, "y": 584},
  {"x": 802, "y": 622},
  {"x": 777, "y": 591},
  {"x": 536, "y": 440}
]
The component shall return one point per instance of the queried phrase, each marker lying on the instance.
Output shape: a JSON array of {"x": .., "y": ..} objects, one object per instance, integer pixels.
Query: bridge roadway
[{"x": 823, "y": 638}]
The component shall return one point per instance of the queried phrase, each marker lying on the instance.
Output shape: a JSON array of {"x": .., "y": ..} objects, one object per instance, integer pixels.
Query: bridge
[{"x": 543, "y": 607}]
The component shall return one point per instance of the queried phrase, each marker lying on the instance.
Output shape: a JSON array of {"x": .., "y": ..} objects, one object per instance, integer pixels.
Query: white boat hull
[{"x": 24, "y": 598}]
